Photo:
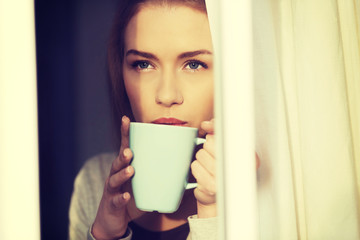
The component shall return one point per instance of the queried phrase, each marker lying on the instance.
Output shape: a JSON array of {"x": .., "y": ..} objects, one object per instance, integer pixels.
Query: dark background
[{"x": 74, "y": 110}]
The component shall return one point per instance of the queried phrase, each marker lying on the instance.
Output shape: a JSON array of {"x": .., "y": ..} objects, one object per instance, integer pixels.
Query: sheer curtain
[
  {"x": 308, "y": 135},
  {"x": 307, "y": 113}
]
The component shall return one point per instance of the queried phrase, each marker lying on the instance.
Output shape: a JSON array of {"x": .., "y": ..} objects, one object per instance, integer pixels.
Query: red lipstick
[{"x": 169, "y": 121}]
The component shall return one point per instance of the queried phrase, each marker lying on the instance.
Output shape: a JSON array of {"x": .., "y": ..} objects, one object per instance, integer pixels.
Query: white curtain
[
  {"x": 307, "y": 87},
  {"x": 307, "y": 113}
]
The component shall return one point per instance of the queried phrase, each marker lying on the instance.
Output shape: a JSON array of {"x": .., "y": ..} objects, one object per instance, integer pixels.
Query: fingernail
[
  {"x": 126, "y": 152},
  {"x": 128, "y": 170},
  {"x": 125, "y": 196},
  {"x": 123, "y": 118}
]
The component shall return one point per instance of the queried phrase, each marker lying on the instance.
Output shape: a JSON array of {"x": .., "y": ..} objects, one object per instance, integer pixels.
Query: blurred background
[{"x": 73, "y": 103}]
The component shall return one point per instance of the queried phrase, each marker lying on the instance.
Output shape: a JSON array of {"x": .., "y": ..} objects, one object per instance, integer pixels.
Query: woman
[{"x": 161, "y": 67}]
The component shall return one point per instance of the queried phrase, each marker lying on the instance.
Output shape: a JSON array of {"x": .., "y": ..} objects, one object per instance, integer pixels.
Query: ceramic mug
[{"x": 162, "y": 155}]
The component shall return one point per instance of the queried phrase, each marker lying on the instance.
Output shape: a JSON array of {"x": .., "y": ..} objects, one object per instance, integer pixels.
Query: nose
[{"x": 168, "y": 92}]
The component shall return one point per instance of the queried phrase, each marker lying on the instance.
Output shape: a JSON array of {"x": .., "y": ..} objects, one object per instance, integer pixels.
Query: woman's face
[{"x": 168, "y": 66}]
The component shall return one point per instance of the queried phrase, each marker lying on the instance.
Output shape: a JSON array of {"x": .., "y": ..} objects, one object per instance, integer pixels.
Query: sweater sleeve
[
  {"x": 128, "y": 235},
  {"x": 78, "y": 212},
  {"x": 202, "y": 228},
  {"x": 87, "y": 193}
]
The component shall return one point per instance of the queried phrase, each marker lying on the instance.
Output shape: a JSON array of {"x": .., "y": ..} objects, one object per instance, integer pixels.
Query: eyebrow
[
  {"x": 194, "y": 53},
  {"x": 181, "y": 56},
  {"x": 141, "y": 54}
]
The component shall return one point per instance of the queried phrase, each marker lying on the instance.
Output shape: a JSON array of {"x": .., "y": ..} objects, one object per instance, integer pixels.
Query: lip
[{"x": 170, "y": 121}]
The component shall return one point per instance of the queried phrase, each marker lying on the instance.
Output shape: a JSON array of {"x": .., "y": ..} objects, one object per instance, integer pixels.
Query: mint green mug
[{"x": 162, "y": 155}]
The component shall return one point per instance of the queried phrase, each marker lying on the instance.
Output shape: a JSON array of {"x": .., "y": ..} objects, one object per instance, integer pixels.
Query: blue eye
[
  {"x": 141, "y": 65},
  {"x": 195, "y": 65}
]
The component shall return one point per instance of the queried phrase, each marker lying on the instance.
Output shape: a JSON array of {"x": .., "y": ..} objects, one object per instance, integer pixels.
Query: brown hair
[{"x": 126, "y": 10}]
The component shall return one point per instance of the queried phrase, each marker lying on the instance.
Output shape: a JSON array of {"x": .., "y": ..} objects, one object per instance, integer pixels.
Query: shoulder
[
  {"x": 98, "y": 164},
  {"x": 88, "y": 188},
  {"x": 95, "y": 170},
  {"x": 89, "y": 184}
]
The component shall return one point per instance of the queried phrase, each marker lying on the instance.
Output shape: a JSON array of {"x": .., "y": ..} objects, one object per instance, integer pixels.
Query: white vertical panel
[
  {"x": 19, "y": 187},
  {"x": 237, "y": 120},
  {"x": 213, "y": 7}
]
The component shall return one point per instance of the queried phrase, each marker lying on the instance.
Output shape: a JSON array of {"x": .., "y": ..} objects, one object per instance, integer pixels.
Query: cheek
[
  {"x": 203, "y": 102},
  {"x": 140, "y": 97},
  {"x": 134, "y": 97},
  {"x": 208, "y": 106},
  {"x": 205, "y": 109},
  {"x": 206, "y": 99},
  {"x": 131, "y": 90}
]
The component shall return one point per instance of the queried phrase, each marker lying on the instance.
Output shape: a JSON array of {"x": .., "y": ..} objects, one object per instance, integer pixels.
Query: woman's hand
[
  {"x": 204, "y": 170},
  {"x": 112, "y": 217}
]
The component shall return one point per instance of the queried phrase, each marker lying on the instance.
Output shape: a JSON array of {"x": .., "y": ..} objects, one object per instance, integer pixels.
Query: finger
[
  {"x": 207, "y": 161},
  {"x": 204, "y": 192},
  {"x": 118, "y": 179},
  {"x": 209, "y": 145},
  {"x": 121, "y": 161},
  {"x": 204, "y": 199},
  {"x": 208, "y": 126},
  {"x": 120, "y": 200},
  {"x": 205, "y": 181},
  {"x": 125, "y": 124}
]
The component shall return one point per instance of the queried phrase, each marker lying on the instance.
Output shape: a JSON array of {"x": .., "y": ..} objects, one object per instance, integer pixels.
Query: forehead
[{"x": 168, "y": 28}]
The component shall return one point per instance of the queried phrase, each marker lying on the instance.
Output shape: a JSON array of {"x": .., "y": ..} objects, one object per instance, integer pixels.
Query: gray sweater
[{"x": 88, "y": 189}]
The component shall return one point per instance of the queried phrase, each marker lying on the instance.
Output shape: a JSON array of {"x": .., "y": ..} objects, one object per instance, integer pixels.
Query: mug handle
[
  {"x": 198, "y": 141},
  {"x": 191, "y": 186}
]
